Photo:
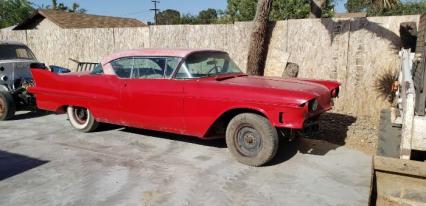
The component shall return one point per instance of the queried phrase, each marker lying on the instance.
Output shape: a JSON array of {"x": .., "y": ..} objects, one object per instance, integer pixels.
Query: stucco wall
[
  {"x": 354, "y": 52},
  {"x": 46, "y": 24}
]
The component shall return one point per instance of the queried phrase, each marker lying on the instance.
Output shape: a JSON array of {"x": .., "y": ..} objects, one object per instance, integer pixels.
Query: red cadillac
[{"x": 200, "y": 93}]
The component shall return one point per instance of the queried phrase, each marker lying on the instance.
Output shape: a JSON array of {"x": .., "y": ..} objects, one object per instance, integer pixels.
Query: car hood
[
  {"x": 290, "y": 85},
  {"x": 294, "y": 91}
]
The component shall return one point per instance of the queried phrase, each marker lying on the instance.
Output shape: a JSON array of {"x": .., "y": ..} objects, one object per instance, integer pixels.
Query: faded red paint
[{"x": 180, "y": 106}]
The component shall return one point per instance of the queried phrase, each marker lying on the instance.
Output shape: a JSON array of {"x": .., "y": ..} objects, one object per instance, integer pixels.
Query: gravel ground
[{"x": 346, "y": 130}]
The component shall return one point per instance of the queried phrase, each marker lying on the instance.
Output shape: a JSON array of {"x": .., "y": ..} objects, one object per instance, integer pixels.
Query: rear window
[{"x": 15, "y": 52}]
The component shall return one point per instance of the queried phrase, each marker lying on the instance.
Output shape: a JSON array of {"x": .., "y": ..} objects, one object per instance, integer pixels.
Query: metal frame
[
  {"x": 420, "y": 81},
  {"x": 84, "y": 66},
  {"x": 406, "y": 102}
]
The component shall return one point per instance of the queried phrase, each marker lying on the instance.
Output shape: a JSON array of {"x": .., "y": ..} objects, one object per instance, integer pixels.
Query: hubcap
[
  {"x": 2, "y": 107},
  {"x": 248, "y": 141},
  {"x": 80, "y": 115}
]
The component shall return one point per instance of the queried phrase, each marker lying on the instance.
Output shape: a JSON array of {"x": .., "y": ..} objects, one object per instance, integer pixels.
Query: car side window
[
  {"x": 154, "y": 67},
  {"x": 148, "y": 68},
  {"x": 98, "y": 69},
  {"x": 145, "y": 67},
  {"x": 123, "y": 67}
]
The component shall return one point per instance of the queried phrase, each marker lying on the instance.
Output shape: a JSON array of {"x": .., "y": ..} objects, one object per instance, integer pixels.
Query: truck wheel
[
  {"x": 251, "y": 139},
  {"x": 7, "y": 106},
  {"x": 82, "y": 119}
]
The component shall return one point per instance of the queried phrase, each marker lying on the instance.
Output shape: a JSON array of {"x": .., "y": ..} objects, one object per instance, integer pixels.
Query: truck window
[{"x": 15, "y": 52}]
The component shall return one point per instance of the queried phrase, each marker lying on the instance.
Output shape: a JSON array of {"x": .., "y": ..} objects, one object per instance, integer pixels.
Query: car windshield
[
  {"x": 205, "y": 64},
  {"x": 15, "y": 52}
]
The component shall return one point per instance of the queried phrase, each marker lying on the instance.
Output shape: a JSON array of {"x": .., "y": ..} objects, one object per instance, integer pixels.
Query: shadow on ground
[
  {"x": 334, "y": 128},
  {"x": 30, "y": 115},
  {"x": 14, "y": 164},
  {"x": 333, "y": 133},
  {"x": 219, "y": 143}
]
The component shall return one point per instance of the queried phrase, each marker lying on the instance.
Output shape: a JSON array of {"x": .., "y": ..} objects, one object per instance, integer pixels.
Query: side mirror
[
  {"x": 37, "y": 66},
  {"x": 59, "y": 70}
]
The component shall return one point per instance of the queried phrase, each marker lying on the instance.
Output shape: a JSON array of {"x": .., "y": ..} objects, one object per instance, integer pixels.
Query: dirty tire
[
  {"x": 251, "y": 139},
  {"x": 389, "y": 141},
  {"x": 7, "y": 106},
  {"x": 82, "y": 119}
]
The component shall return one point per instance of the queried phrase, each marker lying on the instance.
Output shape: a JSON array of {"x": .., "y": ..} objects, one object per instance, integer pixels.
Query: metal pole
[{"x": 155, "y": 9}]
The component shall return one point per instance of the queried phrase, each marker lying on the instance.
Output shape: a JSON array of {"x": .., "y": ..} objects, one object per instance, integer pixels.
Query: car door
[
  {"x": 105, "y": 90},
  {"x": 150, "y": 99}
]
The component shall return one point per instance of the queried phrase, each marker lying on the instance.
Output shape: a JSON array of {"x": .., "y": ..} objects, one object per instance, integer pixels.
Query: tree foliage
[
  {"x": 62, "y": 7},
  {"x": 208, "y": 16},
  {"x": 168, "y": 16},
  {"x": 245, "y": 10},
  {"x": 386, "y": 8},
  {"x": 13, "y": 12}
]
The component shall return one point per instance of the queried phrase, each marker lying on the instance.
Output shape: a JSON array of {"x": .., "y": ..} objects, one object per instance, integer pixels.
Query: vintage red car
[{"x": 200, "y": 93}]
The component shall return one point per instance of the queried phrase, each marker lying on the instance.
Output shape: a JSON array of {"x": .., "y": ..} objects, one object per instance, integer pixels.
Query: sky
[{"x": 140, "y": 9}]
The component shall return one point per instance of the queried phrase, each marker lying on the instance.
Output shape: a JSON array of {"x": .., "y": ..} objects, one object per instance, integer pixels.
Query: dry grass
[{"x": 384, "y": 83}]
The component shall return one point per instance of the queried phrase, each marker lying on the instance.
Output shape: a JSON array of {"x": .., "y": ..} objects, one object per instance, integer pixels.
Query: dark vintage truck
[{"x": 15, "y": 78}]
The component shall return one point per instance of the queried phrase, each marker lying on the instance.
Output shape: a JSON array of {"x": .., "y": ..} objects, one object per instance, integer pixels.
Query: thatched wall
[{"x": 353, "y": 51}]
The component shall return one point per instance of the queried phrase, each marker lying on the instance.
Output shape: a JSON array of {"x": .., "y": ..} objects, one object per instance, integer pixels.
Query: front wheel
[
  {"x": 251, "y": 139},
  {"x": 82, "y": 119}
]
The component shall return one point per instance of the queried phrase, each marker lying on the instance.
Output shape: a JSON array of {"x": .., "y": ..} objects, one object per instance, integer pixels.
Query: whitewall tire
[{"x": 82, "y": 119}]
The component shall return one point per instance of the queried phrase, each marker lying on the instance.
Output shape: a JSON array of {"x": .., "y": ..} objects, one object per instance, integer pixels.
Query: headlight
[
  {"x": 313, "y": 105},
  {"x": 335, "y": 93}
]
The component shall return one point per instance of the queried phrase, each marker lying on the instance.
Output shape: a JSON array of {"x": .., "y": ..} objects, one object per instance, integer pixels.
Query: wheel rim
[
  {"x": 248, "y": 141},
  {"x": 80, "y": 115},
  {"x": 2, "y": 107}
]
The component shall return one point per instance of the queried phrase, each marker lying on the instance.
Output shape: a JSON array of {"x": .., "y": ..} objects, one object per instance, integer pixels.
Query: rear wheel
[
  {"x": 7, "y": 106},
  {"x": 251, "y": 139},
  {"x": 82, "y": 119}
]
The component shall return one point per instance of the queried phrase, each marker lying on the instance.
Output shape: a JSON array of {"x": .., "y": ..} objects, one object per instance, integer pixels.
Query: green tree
[
  {"x": 242, "y": 10},
  {"x": 357, "y": 5},
  {"x": 378, "y": 9},
  {"x": 13, "y": 12},
  {"x": 54, "y": 4},
  {"x": 168, "y": 16},
  {"x": 62, "y": 7},
  {"x": 245, "y": 10},
  {"x": 188, "y": 19},
  {"x": 76, "y": 8},
  {"x": 406, "y": 8},
  {"x": 208, "y": 16}
]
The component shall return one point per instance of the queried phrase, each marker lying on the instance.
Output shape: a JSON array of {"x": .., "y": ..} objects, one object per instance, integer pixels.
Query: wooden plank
[
  {"x": 396, "y": 189},
  {"x": 402, "y": 167}
]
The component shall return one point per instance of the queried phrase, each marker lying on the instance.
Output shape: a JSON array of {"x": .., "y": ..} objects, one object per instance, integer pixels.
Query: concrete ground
[{"x": 43, "y": 161}]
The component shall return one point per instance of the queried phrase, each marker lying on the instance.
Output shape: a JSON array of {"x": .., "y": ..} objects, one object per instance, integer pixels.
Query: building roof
[
  {"x": 351, "y": 15},
  {"x": 70, "y": 20},
  {"x": 155, "y": 52}
]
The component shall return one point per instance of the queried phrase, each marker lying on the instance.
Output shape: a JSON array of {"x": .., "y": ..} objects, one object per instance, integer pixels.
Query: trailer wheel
[
  {"x": 251, "y": 139},
  {"x": 82, "y": 119},
  {"x": 7, "y": 106}
]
